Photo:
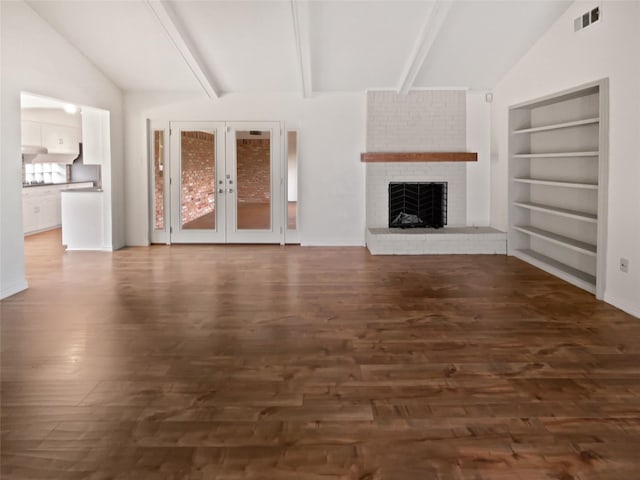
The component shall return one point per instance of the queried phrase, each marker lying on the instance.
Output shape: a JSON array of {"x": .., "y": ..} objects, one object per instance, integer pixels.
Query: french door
[{"x": 225, "y": 183}]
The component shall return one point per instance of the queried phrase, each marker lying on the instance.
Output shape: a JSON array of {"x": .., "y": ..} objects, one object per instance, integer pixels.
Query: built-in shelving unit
[{"x": 558, "y": 171}]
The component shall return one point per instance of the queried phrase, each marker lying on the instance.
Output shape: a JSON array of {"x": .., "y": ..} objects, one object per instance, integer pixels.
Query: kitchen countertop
[
  {"x": 83, "y": 190},
  {"x": 29, "y": 185}
]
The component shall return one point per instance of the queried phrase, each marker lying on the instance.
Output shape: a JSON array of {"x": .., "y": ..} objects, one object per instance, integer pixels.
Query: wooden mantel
[{"x": 419, "y": 157}]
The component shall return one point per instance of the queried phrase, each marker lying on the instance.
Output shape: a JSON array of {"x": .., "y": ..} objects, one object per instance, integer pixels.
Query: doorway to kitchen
[{"x": 217, "y": 182}]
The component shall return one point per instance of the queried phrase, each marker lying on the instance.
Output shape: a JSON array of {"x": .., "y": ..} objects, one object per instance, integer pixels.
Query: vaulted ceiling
[{"x": 221, "y": 47}]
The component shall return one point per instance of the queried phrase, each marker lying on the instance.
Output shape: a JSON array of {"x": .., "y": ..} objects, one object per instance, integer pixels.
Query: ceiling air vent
[{"x": 586, "y": 19}]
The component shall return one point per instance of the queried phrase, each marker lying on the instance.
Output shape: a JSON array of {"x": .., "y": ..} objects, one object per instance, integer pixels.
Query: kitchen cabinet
[
  {"x": 61, "y": 138},
  {"x": 82, "y": 219},
  {"x": 31, "y": 133},
  {"x": 96, "y": 147},
  {"x": 41, "y": 208},
  {"x": 55, "y": 138},
  {"x": 30, "y": 214}
]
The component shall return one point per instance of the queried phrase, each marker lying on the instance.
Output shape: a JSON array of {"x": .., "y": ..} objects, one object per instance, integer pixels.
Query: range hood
[{"x": 38, "y": 154}]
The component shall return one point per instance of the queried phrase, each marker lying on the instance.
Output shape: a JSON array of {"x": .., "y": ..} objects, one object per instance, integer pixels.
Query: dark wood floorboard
[{"x": 269, "y": 362}]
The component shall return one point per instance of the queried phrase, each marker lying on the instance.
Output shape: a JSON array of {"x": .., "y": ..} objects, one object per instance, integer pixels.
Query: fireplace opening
[{"x": 417, "y": 204}]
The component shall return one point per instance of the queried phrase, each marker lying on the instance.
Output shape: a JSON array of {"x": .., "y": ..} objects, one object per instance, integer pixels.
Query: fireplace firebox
[{"x": 417, "y": 204}]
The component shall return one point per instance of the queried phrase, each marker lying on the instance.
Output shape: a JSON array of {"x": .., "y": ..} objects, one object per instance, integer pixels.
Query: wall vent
[{"x": 586, "y": 19}]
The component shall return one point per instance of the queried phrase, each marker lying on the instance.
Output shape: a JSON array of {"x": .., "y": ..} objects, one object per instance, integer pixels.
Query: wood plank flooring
[
  {"x": 249, "y": 216},
  {"x": 269, "y": 362}
]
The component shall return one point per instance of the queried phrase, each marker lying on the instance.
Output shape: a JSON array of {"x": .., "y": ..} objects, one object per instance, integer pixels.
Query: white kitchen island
[{"x": 82, "y": 219}]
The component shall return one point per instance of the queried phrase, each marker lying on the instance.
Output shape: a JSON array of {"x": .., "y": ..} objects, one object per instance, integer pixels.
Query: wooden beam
[
  {"x": 419, "y": 157},
  {"x": 300, "y": 16},
  {"x": 430, "y": 30},
  {"x": 166, "y": 18}
]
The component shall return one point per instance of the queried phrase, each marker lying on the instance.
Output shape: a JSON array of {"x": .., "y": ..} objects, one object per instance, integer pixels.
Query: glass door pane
[
  {"x": 198, "y": 180},
  {"x": 253, "y": 173},
  {"x": 158, "y": 179},
  {"x": 197, "y": 167},
  {"x": 159, "y": 172},
  {"x": 291, "y": 203},
  {"x": 254, "y": 183}
]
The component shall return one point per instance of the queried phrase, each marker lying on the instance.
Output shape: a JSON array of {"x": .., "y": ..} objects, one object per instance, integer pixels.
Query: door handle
[
  {"x": 230, "y": 190},
  {"x": 221, "y": 190}
]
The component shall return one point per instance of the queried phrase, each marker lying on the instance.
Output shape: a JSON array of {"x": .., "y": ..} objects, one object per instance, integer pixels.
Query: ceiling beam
[
  {"x": 167, "y": 20},
  {"x": 430, "y": 30},
  {"x": 300, "y": 17}
]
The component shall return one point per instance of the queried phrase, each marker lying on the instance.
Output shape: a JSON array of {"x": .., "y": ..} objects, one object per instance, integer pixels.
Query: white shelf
[
  {"x": 576, "y": 277},
  {"x": 562, "y": 212},
  {"x": 567, "y": 242},
  {"x": 556, "y": 183},
  {"x": 557, "y": 126},
  {"x": 557, "y": 167},
  {"x": 557, "y": 155}
]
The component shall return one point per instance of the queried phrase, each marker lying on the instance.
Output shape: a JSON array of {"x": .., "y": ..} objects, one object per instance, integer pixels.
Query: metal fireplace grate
[{"x": 417, "y": 204}]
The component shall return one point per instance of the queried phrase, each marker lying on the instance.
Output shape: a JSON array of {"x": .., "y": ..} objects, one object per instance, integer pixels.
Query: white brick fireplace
[{"x": 421, "y": 121}]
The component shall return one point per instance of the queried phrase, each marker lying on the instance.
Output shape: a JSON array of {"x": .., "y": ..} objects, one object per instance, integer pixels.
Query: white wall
[
  {"x": 330, "y": 139},
  {"x": 562, "y": 59},
  {"x": 36, "y": 59},
  {"x": 478, "y": 173}
]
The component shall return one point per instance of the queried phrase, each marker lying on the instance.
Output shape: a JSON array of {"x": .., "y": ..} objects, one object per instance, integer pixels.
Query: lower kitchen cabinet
[
  {"x": 40, "y": 209},
  {"x": 41, "y": 206}
]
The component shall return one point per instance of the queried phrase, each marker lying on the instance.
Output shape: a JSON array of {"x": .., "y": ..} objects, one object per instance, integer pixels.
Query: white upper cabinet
[
  {"x": 96, "y": 145},
  {"x": 32, "y": 134},
  {"x": 61, "y": 139}
]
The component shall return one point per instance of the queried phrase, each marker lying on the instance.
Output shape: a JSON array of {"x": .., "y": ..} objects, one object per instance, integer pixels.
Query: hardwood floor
[
  {"x": 250, "y": 216},
  {"x": 269, "y": 362}
]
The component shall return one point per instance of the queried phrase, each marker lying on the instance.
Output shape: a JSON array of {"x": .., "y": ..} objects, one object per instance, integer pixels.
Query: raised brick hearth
[{"x": 422, "y": 241}]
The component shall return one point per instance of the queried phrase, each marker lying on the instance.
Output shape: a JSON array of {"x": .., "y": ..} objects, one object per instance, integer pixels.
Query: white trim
[
  {"x": 623, "y": 305},
  {"x": 421, "y": 89},
  {"x": 186, "y": 51},
  {"x": 300, "y": 15},
  {"x": 333, "y": 244},
  {"x": 430, "y": 30},
  {"x": 13, "y": 289}
]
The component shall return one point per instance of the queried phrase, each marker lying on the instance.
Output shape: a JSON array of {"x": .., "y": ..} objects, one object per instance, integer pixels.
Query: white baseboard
[
  {"x": 623, "y": 305},
  {"x": 13, "y": 289},
  {"x": 332, "y": 244}
]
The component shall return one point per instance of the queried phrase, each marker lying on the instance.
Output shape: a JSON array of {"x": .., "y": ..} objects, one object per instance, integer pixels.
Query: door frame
[{"x": 171, "y": 186}]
